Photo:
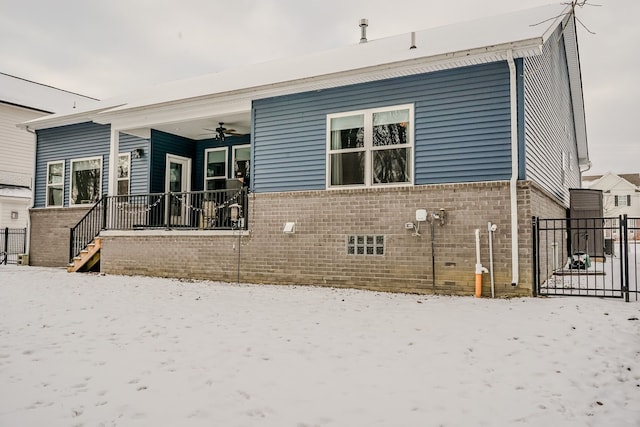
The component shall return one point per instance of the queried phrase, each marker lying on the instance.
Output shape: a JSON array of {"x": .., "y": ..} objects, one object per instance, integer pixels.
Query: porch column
[{"x": 114, "y": 150}]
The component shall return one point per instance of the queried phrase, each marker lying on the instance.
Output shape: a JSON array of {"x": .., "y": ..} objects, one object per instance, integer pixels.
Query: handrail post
[
  {"x": 71, "y": 248},
  {"x": 105, "y": 203},
  {"x": 167, "y": 210}
]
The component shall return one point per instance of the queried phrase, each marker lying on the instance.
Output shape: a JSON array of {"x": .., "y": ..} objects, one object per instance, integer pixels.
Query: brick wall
[
  {"x": 543, "y": 205},
  {"x": 49, "y": 236},
  {"x": 316, "y": 254}
]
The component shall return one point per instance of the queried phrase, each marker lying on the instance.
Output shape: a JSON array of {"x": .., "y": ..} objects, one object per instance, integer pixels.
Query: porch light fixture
[
  {"x": 289, "y": 228},
  {"x": 137, "y": 153}
]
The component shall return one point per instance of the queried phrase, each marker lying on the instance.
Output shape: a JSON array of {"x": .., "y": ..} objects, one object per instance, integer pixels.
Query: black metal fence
[
  {"x": 195, "y": 210},
  {"x": 596, "y": 257},
  {"x": 13, "y": 242}
]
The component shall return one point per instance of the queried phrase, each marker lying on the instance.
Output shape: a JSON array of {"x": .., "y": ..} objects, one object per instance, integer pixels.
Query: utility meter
[{"x": 421, "y": 215}]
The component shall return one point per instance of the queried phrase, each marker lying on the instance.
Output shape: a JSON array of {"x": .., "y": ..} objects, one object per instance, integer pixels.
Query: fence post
[
  {"x": 5, "y": 248},
  {"x": 625, "y": 256},
  {"x": 534, "y": 239}
]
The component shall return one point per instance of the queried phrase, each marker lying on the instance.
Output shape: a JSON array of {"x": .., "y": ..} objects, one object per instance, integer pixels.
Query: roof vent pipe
[
  {"x": 364, "y": 23},
  {"x": 413, "y": 40}
]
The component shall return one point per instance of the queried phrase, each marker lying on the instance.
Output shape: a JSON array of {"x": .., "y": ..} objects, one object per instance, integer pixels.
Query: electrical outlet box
[{"x": 409, "y": 226}]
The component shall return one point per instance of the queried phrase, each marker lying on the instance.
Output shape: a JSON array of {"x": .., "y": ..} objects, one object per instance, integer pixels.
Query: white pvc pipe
[
  {"x": 490, "y": 227},
  {"x": 479, "y": 268},
  {"x": 514, "y": 169},
  {"x": 478, "y": 263}
]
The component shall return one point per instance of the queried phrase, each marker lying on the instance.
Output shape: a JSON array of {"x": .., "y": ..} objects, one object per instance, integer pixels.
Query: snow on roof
[
  {"x": 36, "y": 96},
  {"x": 523, "y": 31},
  {"x": 482, "y": 33}
]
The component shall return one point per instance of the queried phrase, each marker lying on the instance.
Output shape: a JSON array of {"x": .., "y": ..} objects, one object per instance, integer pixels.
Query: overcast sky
[{"x": 106, "y": 48}]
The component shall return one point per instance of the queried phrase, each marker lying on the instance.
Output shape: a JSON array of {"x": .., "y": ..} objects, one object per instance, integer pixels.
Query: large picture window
[
  {"x": 86, "y": 180},
  {"x": 370, "y": 147},
  {"x": 215, "y": 173},
  {"x": 55, "y": 183}
]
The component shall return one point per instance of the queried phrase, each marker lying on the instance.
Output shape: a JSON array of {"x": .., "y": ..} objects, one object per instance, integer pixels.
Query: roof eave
[
  {"x": 56, "y": 120},
  {"x": 124, "y": 116}
]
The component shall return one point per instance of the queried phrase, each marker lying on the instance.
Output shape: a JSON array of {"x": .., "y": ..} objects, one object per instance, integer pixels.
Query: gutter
[
  {"x": 32, "y": 203},
  {"x": 515, "y": 277}
]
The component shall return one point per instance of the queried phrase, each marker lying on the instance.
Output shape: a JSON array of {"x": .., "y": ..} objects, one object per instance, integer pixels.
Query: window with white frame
[
  {"x": 55, "y": 183},
  {"x": 624, "y": 200},
  {"x": 124, "y": 173},
  {"x": 215, "y": 168},
  {"x": 86, "y": 180},
  {"x": 370, "y": 147},
  {"x": 242, "y": 162}
]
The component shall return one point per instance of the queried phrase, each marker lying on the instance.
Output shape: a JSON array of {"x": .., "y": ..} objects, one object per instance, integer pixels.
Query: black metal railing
[
  {"x": 13, "y": 241},
  {"x": 586, "y": 257},
  {"x": 193, "y": 210},
  {"x": 87, "y": 228}
]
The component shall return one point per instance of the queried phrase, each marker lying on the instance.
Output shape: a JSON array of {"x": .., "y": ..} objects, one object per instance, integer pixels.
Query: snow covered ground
[{"x": 93, "y": 350}]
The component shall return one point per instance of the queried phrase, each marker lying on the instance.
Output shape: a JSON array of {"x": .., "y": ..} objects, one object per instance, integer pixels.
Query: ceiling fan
[{"x": 221, "y": 132}]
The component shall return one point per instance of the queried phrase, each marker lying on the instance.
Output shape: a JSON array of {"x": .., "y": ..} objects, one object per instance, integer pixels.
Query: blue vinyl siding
[
  {"x": 162, "y": 144},
  {"x": 139, "y": 179},
  {"x": 462, "y": 127},
  {"x": 205, "y": 144},
  {"x": 82, "y": 140},
  {"x": 549, "y": 124}
]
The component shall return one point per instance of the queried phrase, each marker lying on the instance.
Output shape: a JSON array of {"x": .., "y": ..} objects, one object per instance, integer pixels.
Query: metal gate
[
  {"x": 594, "y": 257},
  {"x": 13, "y": 242}
]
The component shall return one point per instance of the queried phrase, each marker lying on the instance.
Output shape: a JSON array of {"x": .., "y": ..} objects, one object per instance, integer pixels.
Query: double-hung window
[
  {"x": 55, "y": 183},
  {"x": 624, "y": 200},
  {"x": 124, "y": 173},
  {"x": 370, "y": 147},
  {"x": 242, "y": 162},
  {"x": 86, "y": 180},
  {"x": 215, "y": 169}
]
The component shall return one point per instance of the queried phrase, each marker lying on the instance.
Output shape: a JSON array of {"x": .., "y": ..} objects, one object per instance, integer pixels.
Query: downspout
[
  {"x": 33, "y": 189},
  {"x": 513, "y": 187}
]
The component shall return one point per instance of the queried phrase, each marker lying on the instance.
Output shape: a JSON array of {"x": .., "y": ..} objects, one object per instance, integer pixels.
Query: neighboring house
[
  {"x": 621, "y": 196},
  {"x": 22, "y": 100},
  {"x": 369, "y": 166}
]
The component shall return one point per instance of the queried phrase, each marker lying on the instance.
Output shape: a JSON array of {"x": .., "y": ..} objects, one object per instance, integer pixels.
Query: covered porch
[{"x": 225, "y": 209}]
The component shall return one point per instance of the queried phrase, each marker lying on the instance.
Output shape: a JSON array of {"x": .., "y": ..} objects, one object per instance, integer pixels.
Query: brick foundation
[
  {"x": 316, "y": 254},
  {"x": 49, "y": 237}
]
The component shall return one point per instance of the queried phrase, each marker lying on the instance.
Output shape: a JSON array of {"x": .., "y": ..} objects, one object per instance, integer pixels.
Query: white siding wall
[
  {"x": 10, "y": 204},
  {"x": 17, "y": 146},
  {"x": 551, "y": 150}
]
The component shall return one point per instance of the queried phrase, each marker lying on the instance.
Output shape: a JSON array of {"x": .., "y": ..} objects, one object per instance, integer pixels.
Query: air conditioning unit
[{"x": 23, "y": 259}]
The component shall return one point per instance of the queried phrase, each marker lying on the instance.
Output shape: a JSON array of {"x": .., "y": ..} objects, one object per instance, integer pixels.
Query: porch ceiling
[{"x": 204, "y": 128}]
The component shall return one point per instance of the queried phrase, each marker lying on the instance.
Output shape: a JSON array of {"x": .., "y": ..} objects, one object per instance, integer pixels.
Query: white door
[{"x": 178, "y": 182}]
